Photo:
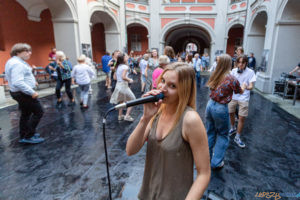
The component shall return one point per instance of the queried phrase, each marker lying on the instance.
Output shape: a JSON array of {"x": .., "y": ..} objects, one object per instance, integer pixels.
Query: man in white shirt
[
  {"x": 247, "y": 76},
  {"x": 197, "y": 67},
  {"x": 22, "y": 83}
]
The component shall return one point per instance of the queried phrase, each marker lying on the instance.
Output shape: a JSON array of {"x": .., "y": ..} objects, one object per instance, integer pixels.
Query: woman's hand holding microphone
[{"x": 150, "y": 109}]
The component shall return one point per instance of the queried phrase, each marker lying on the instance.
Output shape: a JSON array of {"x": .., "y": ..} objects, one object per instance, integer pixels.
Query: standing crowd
[{"x": 173, "y": 130}]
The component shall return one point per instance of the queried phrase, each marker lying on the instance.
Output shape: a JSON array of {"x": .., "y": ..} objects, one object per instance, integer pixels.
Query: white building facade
[{"x": 268, "y": 28}]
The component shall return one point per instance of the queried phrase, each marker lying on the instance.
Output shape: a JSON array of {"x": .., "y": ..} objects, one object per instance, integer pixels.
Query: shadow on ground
[{"x": 70, "y": 164}]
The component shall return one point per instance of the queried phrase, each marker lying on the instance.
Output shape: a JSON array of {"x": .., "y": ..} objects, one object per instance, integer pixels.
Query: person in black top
[
  {"x": 112, "y": 64},
  {"x": 252, "y": 62},
  {"x": 63, "y": 70}
]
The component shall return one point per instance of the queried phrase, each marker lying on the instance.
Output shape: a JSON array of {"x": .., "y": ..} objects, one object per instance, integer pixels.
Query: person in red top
[
  {"x": 222, "y": 86},
  {"x": 52, "y": 55}
]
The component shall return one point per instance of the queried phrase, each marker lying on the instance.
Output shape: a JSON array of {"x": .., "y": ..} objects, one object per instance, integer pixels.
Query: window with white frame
[
  {"x": 238, "y": 42},
  {"x": 136, "y": 44},
  {"x": 236, "y": 1},
  {"x": 146, "y": 2}
]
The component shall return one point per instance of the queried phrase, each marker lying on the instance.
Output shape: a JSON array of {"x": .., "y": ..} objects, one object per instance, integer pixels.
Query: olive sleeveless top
[{"x": 168, "y": 171}]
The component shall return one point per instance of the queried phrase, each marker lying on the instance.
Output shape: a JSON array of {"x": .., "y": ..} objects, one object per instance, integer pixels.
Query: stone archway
[
  {"x": 19, "y": 26},
  {"x": 286, "y": 46},
  {"x": 180, "y": 36},
  {"x": 64, "y": 21},
  {"x": 288, "y": 37},
  {"x": 139, "y": 22},
  {"x": 179, "y": 32},
  {"x": 256, "y": 36},
  {"x": 235, "y": 38},
  {"x": 105, "y": 33}
]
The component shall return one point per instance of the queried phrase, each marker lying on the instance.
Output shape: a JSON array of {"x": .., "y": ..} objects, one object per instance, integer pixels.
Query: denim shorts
[{"x": 108, "y": 74}]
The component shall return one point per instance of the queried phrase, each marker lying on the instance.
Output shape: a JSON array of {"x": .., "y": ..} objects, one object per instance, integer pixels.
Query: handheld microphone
[{"x": 139, "y": 101}]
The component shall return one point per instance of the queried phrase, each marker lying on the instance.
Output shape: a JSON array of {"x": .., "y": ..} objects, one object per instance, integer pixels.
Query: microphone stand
[
  {"x": 105, "y": 150},
  {"x": 124, "y": 105}
]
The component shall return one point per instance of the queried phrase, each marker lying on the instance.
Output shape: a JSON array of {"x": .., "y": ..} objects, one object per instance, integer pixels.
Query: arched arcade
[
  {"x": 105, "y": 31},
  {"x": 42, "y": 25},
  {"x": 287, "y": 42},
  {"x": 256, "y": 36},
  {"x": 137, "y": 38},
  {"x": 179, "y": 33},
  {"x": 235, "y": 38}
]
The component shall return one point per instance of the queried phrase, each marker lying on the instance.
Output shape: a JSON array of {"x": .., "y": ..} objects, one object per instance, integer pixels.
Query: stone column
[
  {"x": 65, "y": 25},
  {"x": 123, "y": 28},
  {"x": 220, "y": 29},
  {"x": 155, "y": 29},
  {"x": 66, "y": 37},
  {"x": 2, "y": 95},
  {"x": 161, "y": 47},
  {"x": 84, "y": 28}
]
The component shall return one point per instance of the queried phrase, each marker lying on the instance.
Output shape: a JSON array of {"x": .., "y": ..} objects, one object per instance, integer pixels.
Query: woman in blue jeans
[{"x": 222, "y": 86}]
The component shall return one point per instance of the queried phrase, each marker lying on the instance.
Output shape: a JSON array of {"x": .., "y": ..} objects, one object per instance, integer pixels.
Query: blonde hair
[
  {"x": 240, "y": 49},
  {"x": 81, "y": 58},
  {"x": 61, "y": 54},
  {"x": 163, "y": 60},
  {"x": 222, "y": 69},
  {"x": 186, "y": 89}
]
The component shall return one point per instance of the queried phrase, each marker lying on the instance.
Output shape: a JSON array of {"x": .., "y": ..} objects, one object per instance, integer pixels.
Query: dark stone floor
[{"x": 70, "y": 164}]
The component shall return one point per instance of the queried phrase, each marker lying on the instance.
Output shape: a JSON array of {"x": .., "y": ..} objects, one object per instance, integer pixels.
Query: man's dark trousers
[{"x": 31, "y": 113}]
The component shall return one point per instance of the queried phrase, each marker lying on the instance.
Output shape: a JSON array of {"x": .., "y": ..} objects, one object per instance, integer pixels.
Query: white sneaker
[
  {"x": 128, "y": 118},
  {"x": 239, "y": 142}
]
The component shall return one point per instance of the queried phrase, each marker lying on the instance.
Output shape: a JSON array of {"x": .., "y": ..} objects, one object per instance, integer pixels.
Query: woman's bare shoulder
[
  {"x": 192, "y": 125},
  {"x": 191, "y": 117}
]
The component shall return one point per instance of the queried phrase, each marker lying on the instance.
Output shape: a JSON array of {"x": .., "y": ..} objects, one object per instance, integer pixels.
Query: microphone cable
[{"x": 105, "y": 150}]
